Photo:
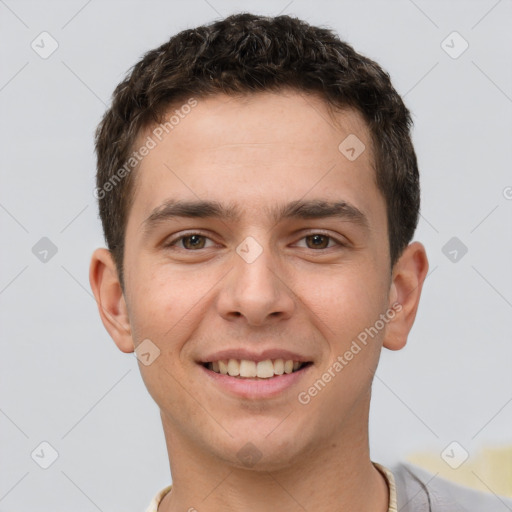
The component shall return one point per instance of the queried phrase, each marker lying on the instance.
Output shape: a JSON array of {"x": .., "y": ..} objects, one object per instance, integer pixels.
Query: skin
[{"x": 256, "y": 152}]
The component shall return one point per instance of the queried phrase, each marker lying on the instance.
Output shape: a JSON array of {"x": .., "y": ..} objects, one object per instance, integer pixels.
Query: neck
[{"x": 336, "y": 475}]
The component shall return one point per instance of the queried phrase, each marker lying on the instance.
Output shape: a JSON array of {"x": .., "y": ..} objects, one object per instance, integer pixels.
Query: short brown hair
[{"x": 242, "y": 54}]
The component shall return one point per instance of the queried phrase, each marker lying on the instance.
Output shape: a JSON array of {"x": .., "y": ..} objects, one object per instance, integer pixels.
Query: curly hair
[{"x": 244, "y": 54}]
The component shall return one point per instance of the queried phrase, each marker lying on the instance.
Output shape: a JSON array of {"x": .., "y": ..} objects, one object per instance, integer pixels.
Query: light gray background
[{"x": 62, "y": 378}]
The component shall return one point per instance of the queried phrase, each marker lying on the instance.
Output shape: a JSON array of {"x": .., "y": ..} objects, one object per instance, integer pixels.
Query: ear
[
  {"x": 409, "y": 273},
  {"x": 109, "y": 296}
]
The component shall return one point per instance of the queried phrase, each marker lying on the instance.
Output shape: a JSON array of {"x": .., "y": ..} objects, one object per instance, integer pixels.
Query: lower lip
[{"x": 256, "y": 388}]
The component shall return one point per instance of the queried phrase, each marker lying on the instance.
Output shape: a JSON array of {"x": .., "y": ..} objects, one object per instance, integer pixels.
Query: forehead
[
  {"x": 259, "y": 149},
  {"x": 288, "y": 118}
]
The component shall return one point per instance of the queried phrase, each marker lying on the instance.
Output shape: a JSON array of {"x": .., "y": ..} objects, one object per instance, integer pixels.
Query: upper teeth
[{"x": 262, "y": 369}]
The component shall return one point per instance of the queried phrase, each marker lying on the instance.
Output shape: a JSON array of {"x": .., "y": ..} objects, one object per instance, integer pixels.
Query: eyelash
[{"x": 172, "y": 243}]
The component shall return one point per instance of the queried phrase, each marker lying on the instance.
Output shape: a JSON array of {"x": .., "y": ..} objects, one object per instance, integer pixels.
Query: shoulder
[{"x": 420, "y": 491}]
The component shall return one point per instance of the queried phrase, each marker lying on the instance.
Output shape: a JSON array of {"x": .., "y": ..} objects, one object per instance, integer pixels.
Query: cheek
[
  {"x": 343, "y": 301},
  {"x": 166, "y": 307},
  {"x": 346, "y": 307},
  {"x": 165, "y": 300}
]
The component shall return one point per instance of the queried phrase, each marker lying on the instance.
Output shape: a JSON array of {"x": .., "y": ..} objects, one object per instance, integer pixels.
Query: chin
[{"x": 262, "y": 451}]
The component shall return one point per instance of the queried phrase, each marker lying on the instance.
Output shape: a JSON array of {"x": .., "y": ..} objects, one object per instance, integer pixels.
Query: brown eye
[
  {"x": 193, "y": 241},
  {"x": 317, "y": 241}
]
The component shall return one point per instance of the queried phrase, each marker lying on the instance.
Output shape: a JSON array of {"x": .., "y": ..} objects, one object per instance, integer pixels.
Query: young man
[{"x": 259, "y": 192}]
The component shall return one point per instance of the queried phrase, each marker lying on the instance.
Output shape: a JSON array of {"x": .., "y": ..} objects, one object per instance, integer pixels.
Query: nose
[{"x": 255, "y": 291}]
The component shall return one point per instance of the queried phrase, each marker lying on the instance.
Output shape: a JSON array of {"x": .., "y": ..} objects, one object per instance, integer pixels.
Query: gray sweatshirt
[{"x": 420, "y": 491}]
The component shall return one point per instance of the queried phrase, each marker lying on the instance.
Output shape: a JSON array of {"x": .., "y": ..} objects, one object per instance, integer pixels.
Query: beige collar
[{"x": 153, "y": 506}]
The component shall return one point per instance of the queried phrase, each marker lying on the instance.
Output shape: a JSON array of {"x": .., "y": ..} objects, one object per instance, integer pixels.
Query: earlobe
[
  {"x": 407, "y": 281},
  {"x": 109, "y": 296}
]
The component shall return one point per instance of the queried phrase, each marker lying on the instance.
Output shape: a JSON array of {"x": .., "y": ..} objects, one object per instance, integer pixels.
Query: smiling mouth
[{"x": 247, "y": 369}]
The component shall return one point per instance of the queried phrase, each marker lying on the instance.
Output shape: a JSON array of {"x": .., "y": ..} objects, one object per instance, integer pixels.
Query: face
[{"x": 253, "y": 238}]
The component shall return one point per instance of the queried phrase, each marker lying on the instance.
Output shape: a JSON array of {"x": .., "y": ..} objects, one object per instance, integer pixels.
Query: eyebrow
[{"x": 300, "y": 209}]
